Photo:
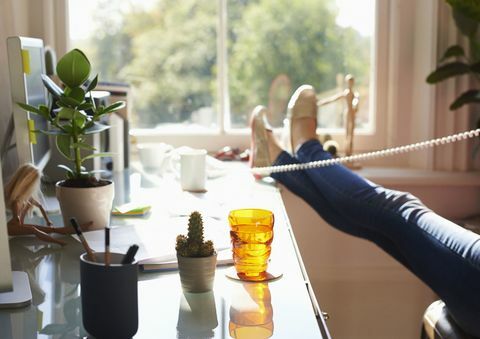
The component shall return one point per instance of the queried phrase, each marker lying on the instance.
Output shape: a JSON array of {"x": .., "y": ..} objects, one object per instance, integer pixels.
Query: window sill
[
  {"x": 417, "y": 177},
  {"x": 213, "y": 140}
]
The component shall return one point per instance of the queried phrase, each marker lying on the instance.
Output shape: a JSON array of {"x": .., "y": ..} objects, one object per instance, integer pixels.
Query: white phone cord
[{"x": 367, "y": 156}]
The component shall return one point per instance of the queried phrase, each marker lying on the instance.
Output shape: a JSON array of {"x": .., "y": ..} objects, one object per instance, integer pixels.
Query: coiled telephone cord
[{"x": 367, "y": 156}]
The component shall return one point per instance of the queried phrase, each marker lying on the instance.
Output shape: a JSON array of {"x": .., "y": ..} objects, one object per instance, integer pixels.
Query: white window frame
[
  {"x": 390, "y": 86},
  {"x": 225, "y": 135}
]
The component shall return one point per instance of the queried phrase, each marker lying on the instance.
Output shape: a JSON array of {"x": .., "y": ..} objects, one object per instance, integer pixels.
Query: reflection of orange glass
[
  {"x": 251, "y": 315},
  {"x": 251, "y": 232}
]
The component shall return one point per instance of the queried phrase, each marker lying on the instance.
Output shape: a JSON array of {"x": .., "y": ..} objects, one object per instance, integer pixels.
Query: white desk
[{"x": 164, "y": 311}]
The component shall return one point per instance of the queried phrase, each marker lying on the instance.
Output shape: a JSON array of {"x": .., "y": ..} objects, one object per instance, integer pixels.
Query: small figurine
[
  {"x": 352, "y": 98},
  {"x": 19, "y": 198}
]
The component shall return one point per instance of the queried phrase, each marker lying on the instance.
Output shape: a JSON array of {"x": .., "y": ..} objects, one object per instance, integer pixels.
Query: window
[
  {"x": 200, "y": 66},
  {"x": 277, "y": 45}
]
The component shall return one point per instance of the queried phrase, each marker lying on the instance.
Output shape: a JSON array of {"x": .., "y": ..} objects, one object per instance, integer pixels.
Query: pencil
[
  {"x": 107, "y": 246},
  {"x": 89, "y": 251}
]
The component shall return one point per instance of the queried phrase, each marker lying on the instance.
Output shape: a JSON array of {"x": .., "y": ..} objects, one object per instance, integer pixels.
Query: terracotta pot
[
  {"x": 197, "y": 274},
  {"x": 86, "y": 204}
]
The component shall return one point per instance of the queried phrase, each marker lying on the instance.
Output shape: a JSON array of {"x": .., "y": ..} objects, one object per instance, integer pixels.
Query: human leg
[
  {"x": 445, "y": 256},
  {"x": 302, "y": 118},
  {"x": 265, "y": 148},
  {"x": 301, "y": 185}
]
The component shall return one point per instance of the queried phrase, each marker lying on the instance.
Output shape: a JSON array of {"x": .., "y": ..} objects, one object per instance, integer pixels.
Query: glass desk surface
[{"x": 277, "y": 309}]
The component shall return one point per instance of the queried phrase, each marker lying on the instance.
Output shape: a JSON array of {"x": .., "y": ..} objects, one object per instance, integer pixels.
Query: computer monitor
[
  {"x": 26, "y": 63},
  {"x": 5, "y": 278},
  {"x": 14, "y": 286}
]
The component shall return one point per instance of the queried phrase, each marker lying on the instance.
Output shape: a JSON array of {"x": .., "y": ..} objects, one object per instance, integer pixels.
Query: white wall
[{"x": 37, "y": 19}]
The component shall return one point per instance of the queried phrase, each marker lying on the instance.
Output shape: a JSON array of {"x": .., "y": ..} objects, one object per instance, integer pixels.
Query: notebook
[{"x": 152, "y": 265}]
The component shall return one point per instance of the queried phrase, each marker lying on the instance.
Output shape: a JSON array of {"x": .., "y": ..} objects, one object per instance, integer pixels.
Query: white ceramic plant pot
[
  {"x": 197, "y": 274},
  {"x": 86, "y": 204}
]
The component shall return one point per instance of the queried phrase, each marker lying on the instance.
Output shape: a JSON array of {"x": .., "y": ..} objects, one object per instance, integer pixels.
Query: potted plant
[
  {"x": 81, "y": 194},
  {"x": 197, "y": 258},
  {"x": 456, "y": 61}
]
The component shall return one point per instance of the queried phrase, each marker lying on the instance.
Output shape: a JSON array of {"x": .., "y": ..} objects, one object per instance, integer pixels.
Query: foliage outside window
[{"x": 167, "y": 50}]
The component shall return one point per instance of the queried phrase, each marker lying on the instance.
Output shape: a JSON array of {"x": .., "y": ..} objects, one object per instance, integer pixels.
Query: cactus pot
[{"x": 197, "y": 274}]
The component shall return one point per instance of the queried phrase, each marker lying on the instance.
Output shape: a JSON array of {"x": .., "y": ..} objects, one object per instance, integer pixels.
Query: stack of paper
[
  {"x": 157, "y": 241},
  {"x": 224, "y": 258}
]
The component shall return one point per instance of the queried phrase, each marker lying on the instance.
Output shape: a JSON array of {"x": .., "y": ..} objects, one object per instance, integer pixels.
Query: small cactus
[{"x": 193, "y": 244}]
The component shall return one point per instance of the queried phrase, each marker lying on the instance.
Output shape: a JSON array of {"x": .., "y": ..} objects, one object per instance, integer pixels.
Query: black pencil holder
[{"x": 109, "y": 296}]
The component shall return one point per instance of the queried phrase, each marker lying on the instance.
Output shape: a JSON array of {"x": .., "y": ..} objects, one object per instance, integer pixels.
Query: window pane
[
  {"x": 166, "y": 49},
  {"x": 277, "y": 45}
]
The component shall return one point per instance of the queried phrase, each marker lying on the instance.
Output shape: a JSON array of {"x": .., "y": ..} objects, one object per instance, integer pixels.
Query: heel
[{"x": 259, "y": 153}]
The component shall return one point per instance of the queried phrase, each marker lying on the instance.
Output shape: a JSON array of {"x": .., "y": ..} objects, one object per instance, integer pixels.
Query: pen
[
  {"x": 130, "y": 255},
  {"x": 90, "y": 254},
  {"x": 107, "y": 246}
]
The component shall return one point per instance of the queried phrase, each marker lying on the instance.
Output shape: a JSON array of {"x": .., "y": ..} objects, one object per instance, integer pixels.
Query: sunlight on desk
[{"x": 164, "y": 310}]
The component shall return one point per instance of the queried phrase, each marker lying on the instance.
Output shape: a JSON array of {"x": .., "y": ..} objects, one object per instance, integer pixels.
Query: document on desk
[
  {"x": 224, "y": 258},
  {"x": 184, "y": 203},
  {"x": 156, "y": 242}
]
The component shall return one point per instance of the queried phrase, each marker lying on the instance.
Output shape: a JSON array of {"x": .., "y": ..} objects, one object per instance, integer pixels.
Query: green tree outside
[{"x": 169, "y": 53}]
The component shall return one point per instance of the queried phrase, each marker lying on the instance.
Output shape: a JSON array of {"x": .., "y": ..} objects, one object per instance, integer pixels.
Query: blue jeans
[{"x": 442, "y": 254}]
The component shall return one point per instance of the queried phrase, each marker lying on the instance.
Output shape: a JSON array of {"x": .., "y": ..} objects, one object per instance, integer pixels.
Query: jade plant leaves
[
  {"x": 447, "y": 71},
  {"x": 467, "y": 25},
  {"x": 77, "y": 93},
  {"x": 63, "y": 145},
  {"x": 68, "y": 121},
  {"x": 51, "y": 86},
  {"x": 73, "y": 68},
  {"x": 66, "y": 113},
  {"x": 468, "y": 8},
  {"x": 92, "y": 84},
  {"x": 42, "y": 110},
  {"x": 466, "y": 14},
  {"x": 453, "y": 51},
  {"x": 468, "y": 97}
]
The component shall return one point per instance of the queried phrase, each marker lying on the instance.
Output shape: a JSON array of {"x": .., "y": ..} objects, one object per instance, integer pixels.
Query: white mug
[
  {"x": 153, "y": 156},
  {"x": 193, "y": 171}
]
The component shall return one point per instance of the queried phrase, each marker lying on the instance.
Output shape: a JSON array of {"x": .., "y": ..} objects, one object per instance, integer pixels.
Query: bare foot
[{"x": 303, "y": 130}]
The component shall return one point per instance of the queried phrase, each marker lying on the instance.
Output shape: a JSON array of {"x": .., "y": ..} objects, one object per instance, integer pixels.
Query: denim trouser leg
[
  {"x": 299, "y": 183},
  {"x": 445, "y": 256}
]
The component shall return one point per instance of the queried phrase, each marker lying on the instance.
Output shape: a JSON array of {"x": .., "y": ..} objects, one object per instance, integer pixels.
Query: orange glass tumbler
[{"x": 251, "y": 234}]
